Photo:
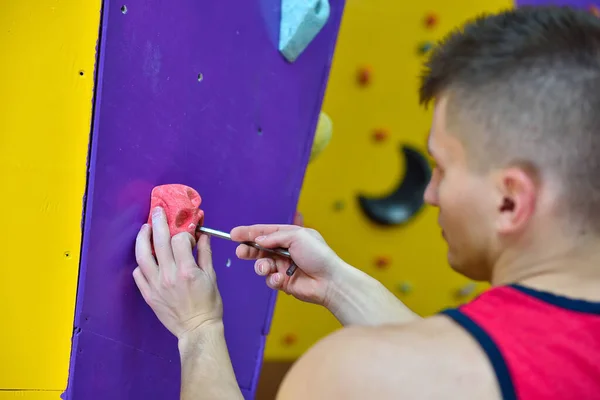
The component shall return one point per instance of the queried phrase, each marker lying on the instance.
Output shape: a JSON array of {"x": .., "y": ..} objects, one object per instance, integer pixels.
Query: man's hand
[
  {"x": 318, "y": 266},
  {"x": 182, "y": 293},
  {"x": 322, "y": 277}
]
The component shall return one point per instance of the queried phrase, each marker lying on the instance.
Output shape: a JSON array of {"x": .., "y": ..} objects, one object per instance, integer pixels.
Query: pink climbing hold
[{"x": 181, "y": 205}]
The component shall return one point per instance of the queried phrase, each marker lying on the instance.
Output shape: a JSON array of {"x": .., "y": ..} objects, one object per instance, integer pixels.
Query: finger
[
  {"x": 205, "y": 254},
  {"x": 142, "y": 284},
  {"x": 275, "y": 281},
  {"x": 183, "y": 245},
  {"x": 282, "y": 264},
  {"x": 250, "y": 233},
  {"x": 162, "y": 239},
  {"x": 282, "y": 238},
  {"x": 265, "y": 266},
  {"x": 143, "y": 253},
  {"x": 246, "y": 252}
]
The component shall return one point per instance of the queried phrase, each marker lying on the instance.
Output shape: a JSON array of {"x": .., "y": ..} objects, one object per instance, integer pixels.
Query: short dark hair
[{"x": 526, "y": 82}]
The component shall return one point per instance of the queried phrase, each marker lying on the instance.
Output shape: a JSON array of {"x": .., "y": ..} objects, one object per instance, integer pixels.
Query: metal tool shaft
[{"x": 227, "y": 236}]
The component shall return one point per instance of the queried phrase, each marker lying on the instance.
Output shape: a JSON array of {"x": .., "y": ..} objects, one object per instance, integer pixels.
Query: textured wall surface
[{"x": 193, "y": 93}]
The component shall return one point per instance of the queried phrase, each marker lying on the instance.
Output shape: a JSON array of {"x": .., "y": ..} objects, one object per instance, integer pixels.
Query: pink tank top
[{"x": 541, "y": 346}]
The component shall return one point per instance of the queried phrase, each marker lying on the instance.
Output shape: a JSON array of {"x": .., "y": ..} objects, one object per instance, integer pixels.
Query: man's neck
[{"x": 570, "y": 269}]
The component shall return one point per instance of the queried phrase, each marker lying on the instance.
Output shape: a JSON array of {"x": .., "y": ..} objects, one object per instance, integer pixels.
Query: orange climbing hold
[
  {"x": 364, "y": 76},
  {"x": 382, "y": 262},
  {"x": 289, "y": 339},
  {"x": 431, "y": 20},
  {"x": 595, "y": 10},
  {"x": 181, "y": 204},
  {"x": 380, "y": 134}
]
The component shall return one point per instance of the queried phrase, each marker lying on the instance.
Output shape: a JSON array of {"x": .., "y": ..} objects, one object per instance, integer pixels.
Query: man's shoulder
[{"x": 433, "y": 358}]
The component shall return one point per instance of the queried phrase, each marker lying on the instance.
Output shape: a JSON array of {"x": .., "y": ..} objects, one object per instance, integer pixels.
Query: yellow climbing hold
[{"x": 322, "y": 136}]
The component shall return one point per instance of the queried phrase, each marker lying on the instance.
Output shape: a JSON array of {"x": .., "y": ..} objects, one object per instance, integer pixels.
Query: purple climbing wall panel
[{"x": 191, "y": 92}]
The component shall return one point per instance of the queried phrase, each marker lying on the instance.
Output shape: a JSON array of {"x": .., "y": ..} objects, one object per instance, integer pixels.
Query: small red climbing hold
[
  {"x": 382, "y": 262},
  {"x": 380, "y": 134},
  {"x": 431, "y": 20},
  {"x": 289, "y": 339},
  {"x": 364, "y": 76},
  {"x": 595, "y": 10}
]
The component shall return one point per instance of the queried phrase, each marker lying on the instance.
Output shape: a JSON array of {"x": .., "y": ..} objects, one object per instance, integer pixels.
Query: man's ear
[{"x": 517, "y": 198}]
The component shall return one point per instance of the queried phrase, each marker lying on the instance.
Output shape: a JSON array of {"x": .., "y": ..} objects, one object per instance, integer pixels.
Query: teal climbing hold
[
  {"x": 301, "y": 21},
  {"x": 425, "y": 47}
]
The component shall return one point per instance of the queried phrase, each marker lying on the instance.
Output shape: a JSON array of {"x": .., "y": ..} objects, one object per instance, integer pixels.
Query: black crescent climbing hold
[{"x": 403, "y": 203}]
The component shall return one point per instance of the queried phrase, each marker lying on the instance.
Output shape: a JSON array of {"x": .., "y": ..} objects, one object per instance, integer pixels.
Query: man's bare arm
[
  {"x": 359, "y": 299},
  {"x": 322, "y": 278},
  {"x": 431, "y": 359}
]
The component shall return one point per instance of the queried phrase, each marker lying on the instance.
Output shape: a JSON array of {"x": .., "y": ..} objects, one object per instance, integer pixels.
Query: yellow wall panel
[
  {"x": 46, "y": 84},
  {"x": 383, "y": 36},
  {"x": 31, "y": 395}
]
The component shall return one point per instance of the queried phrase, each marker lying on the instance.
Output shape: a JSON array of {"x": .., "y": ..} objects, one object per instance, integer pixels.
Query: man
[{"x": 516, "y": 139}]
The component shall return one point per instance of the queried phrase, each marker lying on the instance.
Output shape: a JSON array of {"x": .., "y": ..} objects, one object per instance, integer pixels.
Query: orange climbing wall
[{"x": 382, "y": 38}]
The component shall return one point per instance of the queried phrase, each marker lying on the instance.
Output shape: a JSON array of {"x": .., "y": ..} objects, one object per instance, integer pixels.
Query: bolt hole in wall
[
  {"x": 81, "y": 73},
  {"x": 200, "y": 77},
  {"x": 259, "y": 131},
  {"x": 124, "y": 9}
]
